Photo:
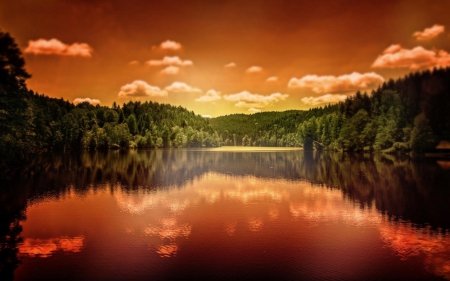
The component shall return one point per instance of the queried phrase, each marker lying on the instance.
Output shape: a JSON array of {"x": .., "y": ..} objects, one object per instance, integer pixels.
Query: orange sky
[{"x": 221, "y": 57}]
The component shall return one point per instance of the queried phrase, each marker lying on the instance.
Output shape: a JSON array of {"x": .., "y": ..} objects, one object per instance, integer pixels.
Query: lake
[{"x": 227, "y": 213}]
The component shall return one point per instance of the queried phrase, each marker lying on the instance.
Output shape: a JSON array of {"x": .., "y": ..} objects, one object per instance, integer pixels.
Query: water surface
[{"x": 217, "y": 214}]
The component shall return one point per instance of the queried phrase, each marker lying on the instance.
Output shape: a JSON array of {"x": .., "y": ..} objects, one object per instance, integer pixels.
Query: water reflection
[
  {"x": 398, "y": 186},
  {"x": 43, "y": 248},
  {"x": 408, "y": 241},
  {"x": 178, "y": 202},
  {"x": 310, "y": 204}
]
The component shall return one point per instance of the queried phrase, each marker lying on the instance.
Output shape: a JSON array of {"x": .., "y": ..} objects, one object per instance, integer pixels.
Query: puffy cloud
[
  {"x": 340, "y": 84},
  {"x": 247, "y": 99},
  {"x": 325, "y": 99},
  {"x": 56, "y": 47},
  {"x": 181, "y": 87},
  {"x": 140, "y": 88},
  {"x": 170, "y": 61},
  {"x": 170, "y": 70},
  {"x": 397, "y": 57},
  {"x": 254, "y": 110},
  {"x": 392, "y": 49},
  {"x": 170, "y": 45},
  {"x": 429, "y": 33},
  {"x": 229, "y": 65},
  {"x": 211, "y": 95},
  {"x": 91, "y": 101},
  {"x": 254, "y": 69},
  {"x": 272, "y": 79}
]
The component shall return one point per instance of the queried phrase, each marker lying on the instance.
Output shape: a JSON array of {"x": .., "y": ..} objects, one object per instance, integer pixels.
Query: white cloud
[
  {"x": 325, "y": 99},
  {"x": 133, "y": 62},
  {"x": 139, "y": 88},
  {"x": 229, "y": 65},
  {"x": 211, "y": 95},
  {"x": 170, "y": 45},
  {"x": 392, "y": 49},
  {"x": 89, "y": 100},
  {"x": 396, "y": 57},
  {"x": 206, "y": 116},
  {"x": 56, "y": 47},
  {"x": 340, "y": 84},
  {"x": 170, "y": 61},
  {"x": 170, "y": 70},
  {"x": 429, "y": 33},
  {"x": 247, "y": 99},
  {"x": 272, "y": 79},
  {"x": 181, "y": 87},
  {"x": 254, "y": 69},
  {"x": 254, "y": 110}
]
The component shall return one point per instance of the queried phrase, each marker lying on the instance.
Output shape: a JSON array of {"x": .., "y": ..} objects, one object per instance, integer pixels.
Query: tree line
[{"x": 403, "y": 115}]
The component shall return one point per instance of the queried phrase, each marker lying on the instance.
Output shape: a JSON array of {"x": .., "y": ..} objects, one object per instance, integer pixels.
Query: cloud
[
  {"x": 392, "y": 49},
  {"x": 170, "y": 70},
  {"x": 229, "y": 65},
  {"x": 254, "y": 69},
  {"x": 253, "y": 110},
  {"x": 272, "y": 79},
  {"x": 211, "y": 95},
  {"x": 170, "y": 45},
  {"x": 170, "y": 61},
  {"x": 91, "y": 101},
  {"x": 247, "y": 99},
  {"x": 56, "y": 47},
  {"x": 429, "y": 33},
  {"x": 340, "y": 84},
  {"x": 133, "y": 62},
  {"x": 181, "y": 87},
  {"x": 139, "y": 88},
  {"x": 325, "y": 99},
  {"x": 397, "y": 57}
]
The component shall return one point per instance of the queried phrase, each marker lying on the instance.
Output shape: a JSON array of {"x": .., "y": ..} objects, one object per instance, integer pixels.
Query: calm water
[{"x": 227, "y": 214}]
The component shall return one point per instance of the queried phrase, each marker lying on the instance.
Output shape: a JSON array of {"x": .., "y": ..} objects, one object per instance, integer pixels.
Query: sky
[{"x": 224, "y": 56}]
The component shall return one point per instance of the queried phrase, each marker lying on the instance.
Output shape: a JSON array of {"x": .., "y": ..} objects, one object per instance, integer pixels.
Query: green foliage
[
  {"x": 132, "y": 124},
  {"x": 351, "y": 133},
  {"x": 422, "y": 137}
]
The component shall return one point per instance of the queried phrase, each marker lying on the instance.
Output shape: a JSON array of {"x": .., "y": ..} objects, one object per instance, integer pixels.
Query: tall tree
[
  {"x": 12, "y": 65},
  {"x": 16, "y": 113}
]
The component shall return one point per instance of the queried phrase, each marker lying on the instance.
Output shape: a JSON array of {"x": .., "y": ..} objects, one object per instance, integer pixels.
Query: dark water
[{"x": 226, "y": 214}]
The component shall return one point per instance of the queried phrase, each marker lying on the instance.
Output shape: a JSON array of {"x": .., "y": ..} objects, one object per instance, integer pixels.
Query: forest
[{"x": 403, "y": 115}]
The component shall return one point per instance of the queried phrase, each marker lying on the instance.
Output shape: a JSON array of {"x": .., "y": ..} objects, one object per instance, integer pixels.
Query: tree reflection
[
  {"x": 387, "y": 191},
  {"x": 399, "y": 186},
  {"x": 12, "y": 206}
]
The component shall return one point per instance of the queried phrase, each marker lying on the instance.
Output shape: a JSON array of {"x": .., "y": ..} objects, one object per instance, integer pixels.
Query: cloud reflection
[
  {"x": 167, "y": 251},
  {"x": 408, "y": 241},
  {"x": 260, "y": 202},
  {"x": 43, "y": 248},
  {"x": 255, "y": 224},
  {"x": 169, "y": 229}
]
